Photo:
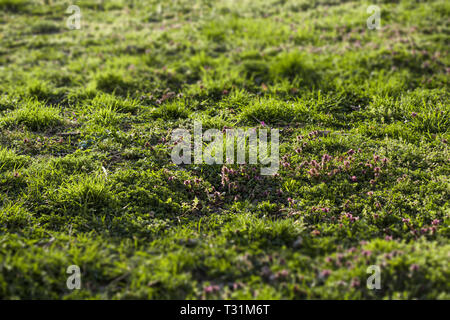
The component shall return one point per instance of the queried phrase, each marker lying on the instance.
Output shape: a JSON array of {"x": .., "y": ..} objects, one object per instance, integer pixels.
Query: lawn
[{"x": 86, "y": 175}]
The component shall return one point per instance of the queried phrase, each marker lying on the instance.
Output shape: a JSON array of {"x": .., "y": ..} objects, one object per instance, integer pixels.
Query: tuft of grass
[
  {"x": 10, "y": 160},
  {"x": 45, "y": 27},
  {"x": 84, "y": 195},
  {"x": 171, "y": 111},
  {"x": 113, "y": 82},
  {"x": 14, "y": 5},
  {"x": 34, "y": 115},
  {"x": 268, "y": 110},
  {"x": 7, "y": 103},
  {"x": 122, "y": 105},
  {"x": 295, "y": 67},
  {"x": 105, "y": 116}
]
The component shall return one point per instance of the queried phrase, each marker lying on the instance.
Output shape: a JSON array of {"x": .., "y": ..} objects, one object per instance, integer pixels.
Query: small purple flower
[
  {"x": 414, "y": 267},
  {"x": 283, "y": 273},
  {"x": 413, "y": 114},
  {"x": 354, "y": 179},
  {"x": 326, "y": 158},
  {"x": 435, "y": 222},
  {"x": 325, "y": 273},
  {"x": 366, "y": 253},
  {"x": 211, "y": 289},
  {"x": 355, "y": 283}
]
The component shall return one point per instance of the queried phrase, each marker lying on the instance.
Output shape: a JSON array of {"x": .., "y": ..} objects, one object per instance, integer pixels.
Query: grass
[
  {"x": 86, "y": 178},
  {"x": 34, "y": 115}
]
